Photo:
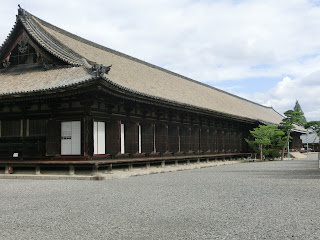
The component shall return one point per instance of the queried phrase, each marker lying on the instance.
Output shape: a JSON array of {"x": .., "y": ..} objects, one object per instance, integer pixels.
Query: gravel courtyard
[{"x": 269, "y": 200}]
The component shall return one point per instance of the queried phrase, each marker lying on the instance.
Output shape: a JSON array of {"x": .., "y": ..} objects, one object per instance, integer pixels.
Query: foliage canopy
[
  {"x": 302, "y": 118},
  {"x": 267, "y": 140}
]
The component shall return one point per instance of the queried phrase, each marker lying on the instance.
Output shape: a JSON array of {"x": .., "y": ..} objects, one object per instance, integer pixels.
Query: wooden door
[
  {"x": 99, "y": 136},
  {"x": 71, "y": 138}
]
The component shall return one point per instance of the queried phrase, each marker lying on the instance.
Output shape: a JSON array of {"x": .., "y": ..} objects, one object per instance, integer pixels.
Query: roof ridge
[
  {"x": 96, "y": 45},
  {"x": 47, "y": 41}
]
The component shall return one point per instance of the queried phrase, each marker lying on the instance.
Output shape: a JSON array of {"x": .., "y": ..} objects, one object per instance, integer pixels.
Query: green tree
[
  {"x": 302, "y": 118},
  {"x": 277, "y": 142},
  {"x": 292, "y": 117},
  {"x": 266, "y": 136}
]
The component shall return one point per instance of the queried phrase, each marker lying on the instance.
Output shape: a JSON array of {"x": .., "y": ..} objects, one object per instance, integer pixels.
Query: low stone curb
[{"x": 117, "y": 174}]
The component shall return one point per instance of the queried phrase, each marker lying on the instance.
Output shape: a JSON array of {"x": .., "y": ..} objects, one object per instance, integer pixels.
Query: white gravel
[{"x": 269, "y": 200}]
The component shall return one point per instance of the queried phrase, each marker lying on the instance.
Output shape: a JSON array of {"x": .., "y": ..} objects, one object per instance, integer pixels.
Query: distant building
[{"x": 312, "y": 139}]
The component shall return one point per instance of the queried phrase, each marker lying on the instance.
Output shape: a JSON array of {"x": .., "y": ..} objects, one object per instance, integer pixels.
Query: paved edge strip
[{"x": 121, "y": 173}]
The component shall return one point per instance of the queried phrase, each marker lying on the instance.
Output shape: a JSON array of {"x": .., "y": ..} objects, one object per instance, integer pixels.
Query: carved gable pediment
[
  {"x": 29, "y": 43},
  {"x": 23, "y": 50}
]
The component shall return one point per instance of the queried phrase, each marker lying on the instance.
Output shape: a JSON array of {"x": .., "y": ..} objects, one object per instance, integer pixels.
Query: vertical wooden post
[
  {"x": 6, "y": 169},
  {"x": 95, "y": 169},
  {"x": 37, "y": 170},
  {"x": 163, "y": 163},
  {"x": 173, "y": 139},
  {"x": 195, "y": 139},
  {"x": 161, "y": 137},
  {"x": 147, "y": 138},
  {"x": 166, "y": 137},
  {"x": 204, "y": 146},
  {"x": 71, "y": 170},
  {"x": 113, "y": 137},
  {"x": 148, "y": 165},
  {"x": 131, "y": 137},
  {"x": 53, "y": 137},
  {"x": 110, "y": 167},
  {"x": 88, "y": 136}
]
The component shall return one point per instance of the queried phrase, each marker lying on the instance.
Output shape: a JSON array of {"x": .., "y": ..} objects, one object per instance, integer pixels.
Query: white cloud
[{"x": 283, "y": 96}]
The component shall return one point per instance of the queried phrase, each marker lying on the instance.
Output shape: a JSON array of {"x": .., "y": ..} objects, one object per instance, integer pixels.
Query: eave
[{"x": 129, "y": 94}]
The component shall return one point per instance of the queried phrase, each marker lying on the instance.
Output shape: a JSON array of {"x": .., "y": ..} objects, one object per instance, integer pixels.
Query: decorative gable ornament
[
  {"x": 23, "y": 47},
  {"x": 100, "y": 69}
]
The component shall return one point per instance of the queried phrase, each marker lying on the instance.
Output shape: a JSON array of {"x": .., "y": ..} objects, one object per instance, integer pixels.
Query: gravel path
[{"x": 269, "y": 200}]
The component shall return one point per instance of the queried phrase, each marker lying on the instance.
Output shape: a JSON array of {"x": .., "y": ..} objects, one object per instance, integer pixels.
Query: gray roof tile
[{"x": 26, "y": 80}]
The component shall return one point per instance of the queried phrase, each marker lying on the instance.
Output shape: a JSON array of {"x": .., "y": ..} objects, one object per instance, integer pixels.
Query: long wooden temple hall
[{"x": 66, "y": 100}]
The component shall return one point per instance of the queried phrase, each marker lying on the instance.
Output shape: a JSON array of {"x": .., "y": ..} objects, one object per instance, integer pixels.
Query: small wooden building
[
  {"x": 62, "y": 96},
  {"x": 310, "y": 141}
]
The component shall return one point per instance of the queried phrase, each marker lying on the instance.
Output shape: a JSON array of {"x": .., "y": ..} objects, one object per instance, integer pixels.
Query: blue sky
[{"x": 266, "y": 51}]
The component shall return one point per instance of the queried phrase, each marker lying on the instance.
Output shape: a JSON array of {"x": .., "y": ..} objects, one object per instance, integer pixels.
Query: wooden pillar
[
  {"x": 131, "y": 137},
  {"x": 173, "y": 138},
  {"x": 95, "y": 169},
  {"x": 235, "y": 141},
  {"x": 147, "y": 138},
  {"x": 226, "y": 141},
  {"x": 204, "y": 139},
  {"x": 215, "y": 140},
  {"x": 185, "y": 138},
  {"x": 244, "y": 147},
  {"x": 87, "y": 124},
  {"x": 163, "y": 163},
  {"x": 37, "y": 170},
  {"x": 212, "y": 140},
  {"x": 53, "y": 137},
  {"x": 110, "y": 168},
  {"x": 166, "y": 137},
  {"x": 8, "y": 169},
  {"x": 220, "y": 141},
  {"x": 239, "y": 142},
  {"x": 148, "y": 165},
  {"x": 195, "y": 139},
  {"x": 161, "y": 137},
  {"x": 71, "y": 170},
  {"x": 113, "y": 137}
]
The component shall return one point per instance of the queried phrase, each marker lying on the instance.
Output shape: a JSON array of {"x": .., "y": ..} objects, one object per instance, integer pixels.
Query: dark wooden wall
[{"x": 33, "y": 129}]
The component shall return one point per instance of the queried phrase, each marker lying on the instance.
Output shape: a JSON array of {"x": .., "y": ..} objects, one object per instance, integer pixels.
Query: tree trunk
[
  {"x": 260, "y": 147},
  {"x": 285, "y": 144}
]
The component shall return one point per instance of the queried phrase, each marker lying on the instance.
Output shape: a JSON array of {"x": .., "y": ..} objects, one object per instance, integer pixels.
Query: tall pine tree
[{"x": 297, "y": 108}]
